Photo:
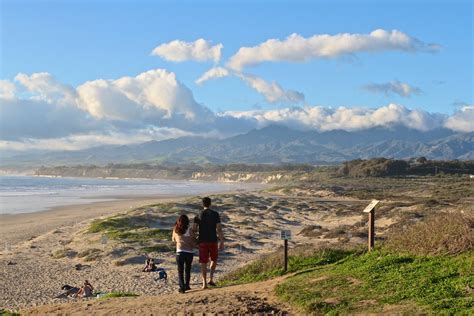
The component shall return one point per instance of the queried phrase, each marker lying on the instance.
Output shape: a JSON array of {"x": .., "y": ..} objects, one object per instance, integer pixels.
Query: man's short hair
[{"x": 206, "y": 201}]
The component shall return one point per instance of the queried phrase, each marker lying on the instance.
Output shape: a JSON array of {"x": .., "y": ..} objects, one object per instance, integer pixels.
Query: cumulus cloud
[
  {"x": 296, "y": 48},
  {"x": 7, "y": 89},
  {"x": 155, "y": 96},
  {"x": 155, "y": 105},
  {"x": 272, "y": 91},
  {"x": 199, "y": 50},
  {"x": 394, "y": 87},
  {"x": 39, "y": 119},
  {"x": 50, "y": 109},
  {"x": 44, "y": 87},
  {"x": 462, "y": 120},
  {"x": 349, "y": 119},
  {"x": 213, "y": 73}
]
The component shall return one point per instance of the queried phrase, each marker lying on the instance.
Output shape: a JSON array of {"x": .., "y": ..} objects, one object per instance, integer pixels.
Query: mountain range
[{"x": 273, "y": 144}]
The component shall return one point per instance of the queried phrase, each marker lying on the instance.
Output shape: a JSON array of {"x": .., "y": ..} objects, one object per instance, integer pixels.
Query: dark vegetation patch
[
  {"x": 312, "y": 231},
  {"x": 131, "y": 260},
  {"x": 380, "y": 167},
  {"x": 118, "y": 294},
  {"x": 159, "y": 248},
  {"x": 144, "y": 234},
  {"x": 4, "y": 312},
  {"x": 90, "y": 254},
  {"x": 63, "y": 253}
]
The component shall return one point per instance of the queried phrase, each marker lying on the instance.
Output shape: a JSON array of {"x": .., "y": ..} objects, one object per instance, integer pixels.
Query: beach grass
[
  {"x": 63, "y": 253},
  {"x": 145, "y": 234},
  {"x": 372, "y": 281},
  {"x": 90, "y": 254},
  {"x": 118, "y": 294},
  {"x": 426, "y": 269},
  {"x": 117, "y": 223},
  {"x": 4, "y": 312},
  {"x": 159, "y": 248},
  {"x": 130, "y": 228},
  {"x": 272, "y": 265}
]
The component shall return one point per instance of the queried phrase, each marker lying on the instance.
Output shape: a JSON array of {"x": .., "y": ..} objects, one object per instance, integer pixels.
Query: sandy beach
[
  {"x": 52, "y": 248},
  {"x": 18, "y": 228}
]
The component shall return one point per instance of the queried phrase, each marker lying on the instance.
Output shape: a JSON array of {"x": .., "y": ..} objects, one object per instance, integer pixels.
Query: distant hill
[{"x": 273, "y": 145}]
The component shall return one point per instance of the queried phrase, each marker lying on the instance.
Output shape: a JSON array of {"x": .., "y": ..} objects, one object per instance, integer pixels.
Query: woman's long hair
[{"x": 181, "y": 225}]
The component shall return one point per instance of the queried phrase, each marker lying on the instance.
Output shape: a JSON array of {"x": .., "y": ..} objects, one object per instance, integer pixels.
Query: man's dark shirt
[{"x": 207, "y": 221}]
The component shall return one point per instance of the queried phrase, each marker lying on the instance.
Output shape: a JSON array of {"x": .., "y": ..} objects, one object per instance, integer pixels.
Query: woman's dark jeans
[{"x": 184, "y": 261}]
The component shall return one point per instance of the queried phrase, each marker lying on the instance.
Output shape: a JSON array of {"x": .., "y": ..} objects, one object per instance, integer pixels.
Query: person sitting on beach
[
  {"x": 146, "y": 268},
  {"x": 208, "y": 223},
  {"x": 70, "y": 291},
  {"x": 86, "y": 290},
  {"x": 150, "y": 266},
  {"x": 183, "y": 235}
]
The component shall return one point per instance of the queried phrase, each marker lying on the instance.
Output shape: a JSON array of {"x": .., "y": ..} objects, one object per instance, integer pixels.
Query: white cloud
[
  {"x": 50, "y": 109},
  {"x": 462, "y": 120},
  {"x": 44, "y": 87},
  {"x": 296, "y": 48},
  {"x": 199, "y": 50},
  {"x": 272, "y": 92},
  {"x": 393, "y": 87},
  {"x": 86, "y": 140},
  {"x": 31, "y": 118},
  {"x": 153, "y": 96},
  {"x": 214, "y": 72},
  {"x": 349, "y": 119},
  {"x": 7, "y": 89},
  {"x": 155, "y": 105}
]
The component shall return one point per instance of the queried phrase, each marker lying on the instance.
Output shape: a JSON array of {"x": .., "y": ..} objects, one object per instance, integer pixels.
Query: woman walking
[{"x": 183, "y": 235}]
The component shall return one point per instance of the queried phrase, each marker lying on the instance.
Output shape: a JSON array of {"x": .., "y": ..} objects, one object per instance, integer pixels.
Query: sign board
[
  {"x": 104, "y": 240},
  {"x": 285, "y": 234},
  {"x": 371, "y": 206}
]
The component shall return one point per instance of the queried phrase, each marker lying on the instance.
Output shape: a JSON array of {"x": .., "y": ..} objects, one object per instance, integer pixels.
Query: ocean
[{"x": 25, "y": 194}]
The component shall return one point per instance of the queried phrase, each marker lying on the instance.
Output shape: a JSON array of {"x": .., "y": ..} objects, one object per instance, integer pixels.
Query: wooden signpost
[
  {"x": 285, "y": 236},
  {"x": 371, "y": 210},
  {"x": 103, "y": 240}
]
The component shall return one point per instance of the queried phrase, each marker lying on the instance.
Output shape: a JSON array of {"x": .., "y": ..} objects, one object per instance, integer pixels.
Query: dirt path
[{"x": 255, "y": 298}]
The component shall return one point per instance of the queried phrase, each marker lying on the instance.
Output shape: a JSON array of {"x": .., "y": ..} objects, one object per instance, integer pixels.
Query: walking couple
[{"x": 208, "y": 230}]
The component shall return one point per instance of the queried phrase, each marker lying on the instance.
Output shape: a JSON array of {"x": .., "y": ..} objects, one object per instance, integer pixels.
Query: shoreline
[
  {"x": 16, "y": 228},
  {"x": 21, "y": 227}
]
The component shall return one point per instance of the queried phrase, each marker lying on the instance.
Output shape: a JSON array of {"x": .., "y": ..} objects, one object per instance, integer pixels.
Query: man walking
[{"x": 208, "y": 224}]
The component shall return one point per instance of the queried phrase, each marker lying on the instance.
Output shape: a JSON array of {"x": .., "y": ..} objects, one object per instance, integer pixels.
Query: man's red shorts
[{"x": 206, "y": 250}]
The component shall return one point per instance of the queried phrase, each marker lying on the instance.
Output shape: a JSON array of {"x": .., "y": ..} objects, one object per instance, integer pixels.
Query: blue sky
[{"x": 79, "y": 41}]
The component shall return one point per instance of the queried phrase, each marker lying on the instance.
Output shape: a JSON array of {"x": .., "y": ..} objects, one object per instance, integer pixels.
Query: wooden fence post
[
  {"x": 371, "y": 236},
  {"x": 285, "y": 235}
]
